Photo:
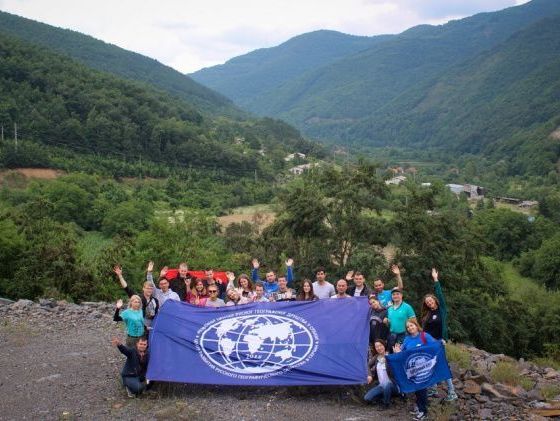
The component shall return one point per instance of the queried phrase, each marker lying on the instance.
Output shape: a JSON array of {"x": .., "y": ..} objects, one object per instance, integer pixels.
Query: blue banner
[
  {"x": 262, "y": 344},
  {"x": 419, "y": 367}
]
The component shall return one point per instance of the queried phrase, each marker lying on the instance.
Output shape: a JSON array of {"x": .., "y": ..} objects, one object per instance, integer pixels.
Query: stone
[
  {"x": 482, "y": 398},
  {"x": 550, "y": 373},
  {"x": 509, "y": 391},
  {"x": 49, "y": 378},
  {"x": 485, "y": 413},
  {"x": 471, "y": 387},
  {"x": 47, "y": 302},
  {"x": 534, "y": 395},
  {"x": 22, "y": 304},
  {"x": 478, "y": 378},
  {"x": 489, "y": 390},
  {"x": 5, "y": 301}
]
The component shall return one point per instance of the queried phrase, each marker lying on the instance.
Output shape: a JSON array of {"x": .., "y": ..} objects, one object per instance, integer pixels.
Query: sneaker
[
  {"x": 129, "y": 393},
  {"x": 432, "y": 392},
  {"x": 420, "y": 416},
  {"x": 414, "y": 412},
  {"x": 451, "y": 397}
]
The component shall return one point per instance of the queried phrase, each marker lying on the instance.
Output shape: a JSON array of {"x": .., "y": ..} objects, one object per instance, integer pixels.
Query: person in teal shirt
[
  {"x": 398, "y": 313},
  {"x": 133, "y": 318},
  {"x": 384, "y": 295}
]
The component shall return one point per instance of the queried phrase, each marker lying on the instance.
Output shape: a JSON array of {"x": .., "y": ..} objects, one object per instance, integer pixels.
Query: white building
[
  {"x": 293, "y": 156},
  {"x": 396, "y": 180}
]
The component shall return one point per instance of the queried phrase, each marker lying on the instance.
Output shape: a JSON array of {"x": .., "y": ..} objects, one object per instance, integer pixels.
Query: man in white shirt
[
  {"x": 321, "y": 287},
  {"x": 163, "y": 293}
]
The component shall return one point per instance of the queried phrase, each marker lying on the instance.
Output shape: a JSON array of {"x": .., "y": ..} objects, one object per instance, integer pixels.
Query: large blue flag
[
  {"x": 262, "y": 344},
  {"x": 420, "y": 367}
]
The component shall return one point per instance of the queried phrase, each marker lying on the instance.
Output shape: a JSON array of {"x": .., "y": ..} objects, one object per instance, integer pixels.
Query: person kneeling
[
  {"x": 378, "y": 367},
  {"x": 134, "y": 371}
]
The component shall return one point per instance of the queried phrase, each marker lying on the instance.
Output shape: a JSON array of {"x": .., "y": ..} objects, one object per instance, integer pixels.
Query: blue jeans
[
  {"x": 386, "y": 390},
  {"x": 393, "y": 338},
  {"x": 422, "y": 400},
  {"x": 134, "y": 384}
]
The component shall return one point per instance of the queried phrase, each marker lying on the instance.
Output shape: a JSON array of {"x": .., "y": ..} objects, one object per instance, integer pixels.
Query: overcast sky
[{"x": 191, "y": 34}]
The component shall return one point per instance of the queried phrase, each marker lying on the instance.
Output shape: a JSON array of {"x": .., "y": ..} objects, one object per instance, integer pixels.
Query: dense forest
[
  {"x": 109, "y": 58},
  {"x": 55, "y": 101}
]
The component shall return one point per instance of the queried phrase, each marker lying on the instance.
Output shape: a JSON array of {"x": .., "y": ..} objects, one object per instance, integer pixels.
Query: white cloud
[{"x": 191, "y": 34}]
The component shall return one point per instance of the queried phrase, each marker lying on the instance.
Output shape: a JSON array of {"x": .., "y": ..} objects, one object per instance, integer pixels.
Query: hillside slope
[
  {"x": 57, "y": 101},
  {"x": 251, "y": 77},
  {"x": 361, "y": 98},
  {"x": 112, "y": 59}
]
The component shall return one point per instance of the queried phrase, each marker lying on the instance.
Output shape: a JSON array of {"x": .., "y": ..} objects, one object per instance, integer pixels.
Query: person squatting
[{"x": 394, "y": 326}]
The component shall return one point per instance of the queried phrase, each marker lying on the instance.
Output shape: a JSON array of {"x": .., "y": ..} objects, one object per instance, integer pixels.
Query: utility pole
[{"x": 15, "y": 134}]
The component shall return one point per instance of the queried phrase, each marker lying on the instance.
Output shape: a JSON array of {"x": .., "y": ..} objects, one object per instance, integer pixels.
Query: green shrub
[
  {"x": 459, "y": 355},
  {"x": 550, "y": 391},
  {"x": 507, "y": 373}
]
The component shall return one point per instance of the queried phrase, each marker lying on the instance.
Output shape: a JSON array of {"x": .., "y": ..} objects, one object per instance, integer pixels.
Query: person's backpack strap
[{"x": 423, "y": 337}]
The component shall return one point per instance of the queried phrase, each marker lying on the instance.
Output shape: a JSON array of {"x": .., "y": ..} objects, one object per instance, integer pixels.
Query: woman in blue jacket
[{"x": 415, "y": 338}]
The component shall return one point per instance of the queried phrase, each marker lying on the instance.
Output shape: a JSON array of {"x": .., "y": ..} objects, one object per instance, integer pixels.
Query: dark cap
[{"x": 396, "y": 289}]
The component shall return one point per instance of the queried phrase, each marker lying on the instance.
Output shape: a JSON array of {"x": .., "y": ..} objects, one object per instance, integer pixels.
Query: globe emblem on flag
[
  {"x": 419, "y": 367},
  {"x": 265, "y": 343}
]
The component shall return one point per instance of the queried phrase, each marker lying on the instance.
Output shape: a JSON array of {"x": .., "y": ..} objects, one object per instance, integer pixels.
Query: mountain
[
  {"x": 503, "y": 104},
  {"x": 362, "y": 97},
  {"x": 252, "y": 76},
  {"x": 57, "y": 101},
  {"x": 112, "y": 59}
]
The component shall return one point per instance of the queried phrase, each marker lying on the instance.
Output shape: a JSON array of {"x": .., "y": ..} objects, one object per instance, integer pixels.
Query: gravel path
[{"x": 57, "y": 363}]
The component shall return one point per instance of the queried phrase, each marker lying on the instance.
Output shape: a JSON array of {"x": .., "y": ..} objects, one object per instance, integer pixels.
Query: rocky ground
[{"x": 56, "y": 362}]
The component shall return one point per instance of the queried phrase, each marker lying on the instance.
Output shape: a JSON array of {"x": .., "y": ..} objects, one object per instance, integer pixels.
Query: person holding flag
[{"x": 420, "y": 368}]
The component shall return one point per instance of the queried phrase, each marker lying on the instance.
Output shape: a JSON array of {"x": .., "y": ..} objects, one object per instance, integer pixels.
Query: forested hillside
[
  {"x": 56, "y": 101},
  {"x": 504, "y": 103},
  {"x": 112, "y": 59},
  {"x": 252, "y": 76},
  {"x": 484, "y": 84}
]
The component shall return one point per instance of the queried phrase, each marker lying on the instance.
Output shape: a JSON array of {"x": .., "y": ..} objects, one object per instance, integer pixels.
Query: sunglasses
[{"x": 211, "y": 291}]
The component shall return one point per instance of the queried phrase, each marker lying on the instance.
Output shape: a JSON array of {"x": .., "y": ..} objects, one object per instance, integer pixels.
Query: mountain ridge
[{"x": 110, "y": 58}]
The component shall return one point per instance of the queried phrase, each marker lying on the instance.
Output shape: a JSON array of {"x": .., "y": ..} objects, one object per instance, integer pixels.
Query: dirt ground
[
  {"x": 42, "y": 173},
  {"x": 58, "y": 364}
]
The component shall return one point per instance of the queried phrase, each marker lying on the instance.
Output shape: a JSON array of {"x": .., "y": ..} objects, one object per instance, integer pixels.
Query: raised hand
[
  {"x": 289, "y": 262},
  {"x": 230, "y": 276},
  {"x": 163, "y": 271},
  {"x": 115, "y": 342},
  {"x": 255, "y": 263},
  {"x": 150, "y": 267},
  {"x": 119, "y": 304},
  {"x": 118, "y": 270},
  {"x": 435, "y": 274},
  {"x": 350, "y": 275},
  {"x": 397, "y": 348},
  {"x": 396, "y": 270}
]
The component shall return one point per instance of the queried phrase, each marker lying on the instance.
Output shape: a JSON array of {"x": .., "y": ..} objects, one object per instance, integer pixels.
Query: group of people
[{"x": 394, "y": 326}]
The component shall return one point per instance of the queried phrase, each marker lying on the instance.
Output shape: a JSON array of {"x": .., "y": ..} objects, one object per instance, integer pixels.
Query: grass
[
  {"x": 90, "y": 245},
  {"x": 509, "y": 373},
  {"x": 550, "y": 391},
  {"x": 527, "y": 383},
  {"x": 547, "y": 362},
  {"x": 458, "y": 355}
]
